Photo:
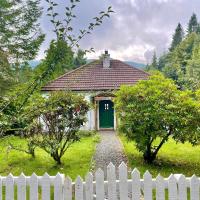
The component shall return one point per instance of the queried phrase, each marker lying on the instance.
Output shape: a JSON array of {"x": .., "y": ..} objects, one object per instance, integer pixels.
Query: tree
[
  {"x": 161, "y": 61},
  {"x": 20, "y": 35},
  {"x": 64, "y": 32},
  {"x": 80, "y": 58},
  {"x": 55, "y": 122},
  {"x": 177, "y": 61},
  {"x": 59, "y": 55},
  {"x": 177, "y": 37},
  {"x": 6, "y": 74},
  {"x": 154, "y": 64},
  {"x": 193, "y": 24},
  {"x": 154, "y": 110},
  {"x": 193, "y": 69}
]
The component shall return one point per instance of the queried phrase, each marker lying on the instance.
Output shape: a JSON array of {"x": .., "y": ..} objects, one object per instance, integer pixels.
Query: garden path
[{"x": 110, "y": 149}]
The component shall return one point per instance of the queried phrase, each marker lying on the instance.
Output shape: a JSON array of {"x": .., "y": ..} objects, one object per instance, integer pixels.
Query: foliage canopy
[{"x": 155, "y": 109}]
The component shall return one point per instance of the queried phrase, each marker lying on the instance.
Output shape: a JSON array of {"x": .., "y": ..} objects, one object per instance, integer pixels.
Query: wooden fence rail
[{"x": 59, "y": 187}]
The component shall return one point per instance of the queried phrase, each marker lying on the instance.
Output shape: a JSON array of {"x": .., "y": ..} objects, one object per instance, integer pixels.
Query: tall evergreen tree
[
  {"x": 193, "y": 24},
  {"x": 177, "y": 37},
  {"x": 20, "y": 35},
  {"x": 59, "y": 55},
  {"x": 6, "y": 74},
  {"x": 154, "y": 63},
  {"x": 80, "y": 58}
]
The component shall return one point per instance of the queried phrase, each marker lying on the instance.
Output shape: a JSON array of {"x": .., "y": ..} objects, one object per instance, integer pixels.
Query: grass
[
  {"x": 172, "y": 158},
  {"x": 76, "y": 161}
]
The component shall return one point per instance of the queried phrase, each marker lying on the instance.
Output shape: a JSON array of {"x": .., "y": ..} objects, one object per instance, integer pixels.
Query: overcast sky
[{"x": 134, "y": 31}]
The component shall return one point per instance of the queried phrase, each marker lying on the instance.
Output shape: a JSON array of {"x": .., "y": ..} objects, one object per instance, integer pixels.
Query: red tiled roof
[{"x": 93, "y": 77}]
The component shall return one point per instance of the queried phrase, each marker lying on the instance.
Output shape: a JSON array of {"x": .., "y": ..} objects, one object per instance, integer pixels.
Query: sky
[{"x": 132, "y": 33}]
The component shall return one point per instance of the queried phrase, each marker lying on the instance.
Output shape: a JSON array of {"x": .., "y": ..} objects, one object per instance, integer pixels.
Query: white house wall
[{"x": 90, "y": 124}]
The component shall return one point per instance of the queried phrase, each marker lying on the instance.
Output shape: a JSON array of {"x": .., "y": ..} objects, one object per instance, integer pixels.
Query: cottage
[{"x": 97, "y": 81}]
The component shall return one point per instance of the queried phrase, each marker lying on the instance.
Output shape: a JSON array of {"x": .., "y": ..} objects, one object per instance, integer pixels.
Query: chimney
[{"x": 106, "y": 60}]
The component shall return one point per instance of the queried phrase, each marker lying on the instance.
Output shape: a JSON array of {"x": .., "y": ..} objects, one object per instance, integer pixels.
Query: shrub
[
  {"x": 156, "y": 109},
  {"x": 56, "y": 122}
]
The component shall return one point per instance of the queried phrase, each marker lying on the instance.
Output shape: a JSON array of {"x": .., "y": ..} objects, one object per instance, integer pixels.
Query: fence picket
[
  {"x": 99, "y": 176},
  {"x": 111, "y": 176},
  {"x": 34, "y": 187},
  {"x": 1, "y": 188},
  {"x": 160, "y": 188},
  {"x": 10, "y": 187},
  {"x": 21, "y": 187},
  {"x": 58, "y": 192},
  {"x": 172, "y": 187},
  {"x": 95, "y": 188},
  {"x": 123, "y": 184},
  {"x": 136, "y": 192},
  {"x": 89, "y": 186},
  {"x": 79, "y": 189},
  {"x": 67, "y": 191},
  {"x": 45, "y": 187},
  {"x": 147, "y": 186},
  {"x": 194, "y": 188},
  {"x": 182, "y": 188}
]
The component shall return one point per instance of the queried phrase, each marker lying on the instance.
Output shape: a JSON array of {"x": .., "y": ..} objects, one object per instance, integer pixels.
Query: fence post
[
  {"x": 160, "y": 188},
  {"x": 21, "y": 187},
  {"x": 182, "y": 188},
  {"x": 10, "y": 187},
  {"x": 111, "y": 176},
  {"x": 99, "y": 176},
  {"x": 172, "y": 186},
  {"x": 79, "y": 189},
  {"x": 194, "y": 188},
  {"x": 89, "y": 186},
  {"x": 45, "y": 187},
  {"x": 147, "y": 186},
  {"x": 123, "y": 184},
  {"x": 67, "y": 191},
  {"x": 58, "y": 191},
  {"x": 136, "y": 192},
  {"x": 1, "y": 188},
  {"x": 34, "y": 187}
]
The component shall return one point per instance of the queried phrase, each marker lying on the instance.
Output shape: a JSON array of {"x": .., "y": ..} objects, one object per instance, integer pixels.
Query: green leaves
[
  {"x": 61, "y": 116},
  {"x": 155, "y": 108}
]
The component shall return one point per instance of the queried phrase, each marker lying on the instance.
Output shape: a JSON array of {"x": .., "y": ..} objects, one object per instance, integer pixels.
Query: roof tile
[{"x": 93, "y": 76}]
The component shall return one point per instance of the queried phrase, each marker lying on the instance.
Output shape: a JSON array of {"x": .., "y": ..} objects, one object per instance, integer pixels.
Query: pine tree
[
  {"x": 6, "y": 74},
  {"x": 80, "y": 58},
  {"x": 193, "y": 24},
  {"x": 154, "y": 64},
  {"x": 177, "y": 37}
]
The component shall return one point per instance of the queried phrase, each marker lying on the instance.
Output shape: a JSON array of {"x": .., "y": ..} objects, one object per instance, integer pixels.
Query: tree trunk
[
  {"x": 149, "y": 157},
  {"x": 57, "y": 158}
]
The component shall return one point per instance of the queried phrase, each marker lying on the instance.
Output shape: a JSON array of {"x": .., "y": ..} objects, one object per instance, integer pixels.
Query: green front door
[{"x": 106, "y": 114}]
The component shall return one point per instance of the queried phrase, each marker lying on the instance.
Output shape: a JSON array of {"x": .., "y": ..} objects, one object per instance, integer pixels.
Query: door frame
[
  {"x": 98, "y": 118},
  {"x": 111, "y": 118}
]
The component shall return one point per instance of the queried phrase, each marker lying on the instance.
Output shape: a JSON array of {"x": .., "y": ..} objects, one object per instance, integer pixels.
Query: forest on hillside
[{"x": 182, "y": 61}]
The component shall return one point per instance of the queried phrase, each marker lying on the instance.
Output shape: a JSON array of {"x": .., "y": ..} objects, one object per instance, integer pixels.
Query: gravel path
[{"x": 109, "y": 150}]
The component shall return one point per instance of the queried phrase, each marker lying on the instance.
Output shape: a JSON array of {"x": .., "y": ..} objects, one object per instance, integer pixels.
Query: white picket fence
[{"x": 95, "y": 187}]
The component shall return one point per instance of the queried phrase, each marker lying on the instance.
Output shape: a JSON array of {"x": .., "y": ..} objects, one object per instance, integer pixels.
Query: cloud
[{"x": 135, "y": 30}]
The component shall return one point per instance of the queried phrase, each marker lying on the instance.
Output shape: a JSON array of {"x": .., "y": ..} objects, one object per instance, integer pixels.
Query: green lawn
[
  {"x": 76, "y": 161},
  {"x": 172, "y": 158}
]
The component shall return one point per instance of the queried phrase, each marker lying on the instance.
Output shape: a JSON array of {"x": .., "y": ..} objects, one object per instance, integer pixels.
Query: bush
[
  {"x": 56, "y": 122},
  {"x": 156, "y": 109}
]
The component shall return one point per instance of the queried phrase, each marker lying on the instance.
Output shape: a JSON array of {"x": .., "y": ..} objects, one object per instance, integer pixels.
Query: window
[{"x": 106, "y": 106}]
